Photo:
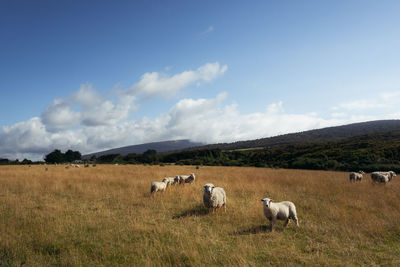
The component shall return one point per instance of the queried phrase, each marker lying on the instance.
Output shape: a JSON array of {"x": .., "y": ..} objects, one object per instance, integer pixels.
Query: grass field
[{"x": 105, "y": 216}]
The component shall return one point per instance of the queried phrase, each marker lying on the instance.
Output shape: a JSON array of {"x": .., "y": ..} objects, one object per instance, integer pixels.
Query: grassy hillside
[
  {"x": 328, "y": 134},
  {"x": 164, "y": 146},
  {"x": 105, "y": 216},
  {"x": 366, "y": 152}
]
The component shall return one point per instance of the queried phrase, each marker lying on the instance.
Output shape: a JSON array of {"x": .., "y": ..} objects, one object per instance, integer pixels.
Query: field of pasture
[{"x": 105, "y": 216}]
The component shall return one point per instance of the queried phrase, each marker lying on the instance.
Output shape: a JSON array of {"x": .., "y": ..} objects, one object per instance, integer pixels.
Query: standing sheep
[
  {"x": 356, "y": 176},
  {"x": 177, "y": 180},
  {"x": 187, "y": 179},
  {"x": 284, "y": 210},
  {"x": 169, "y": 180},
  {"x": 214, "y": 197},
  {"x": 158, "y": 186},
  {"x": 382, "y": 177}
]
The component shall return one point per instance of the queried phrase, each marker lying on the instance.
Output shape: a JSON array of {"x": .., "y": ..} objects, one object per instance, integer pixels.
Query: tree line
[{"x": 367, "y": 152}]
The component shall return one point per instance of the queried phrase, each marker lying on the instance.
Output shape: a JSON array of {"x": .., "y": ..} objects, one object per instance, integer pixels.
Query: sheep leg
[
  {"x": 271, "y": 226},
  {"x": 296, "y": 220},
  {"x": 224, "y": 207},
  {"x": 286, "y": 223}
]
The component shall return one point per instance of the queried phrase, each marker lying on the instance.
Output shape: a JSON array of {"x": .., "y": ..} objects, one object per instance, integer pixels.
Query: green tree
[{"x": 54, "y": 157}]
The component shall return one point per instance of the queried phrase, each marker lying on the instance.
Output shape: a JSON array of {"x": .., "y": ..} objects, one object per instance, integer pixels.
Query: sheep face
[
  {"x": 393, "y": 173},
  {"x": 266, "y": 202},
  {"x": 208, "y": 188}
]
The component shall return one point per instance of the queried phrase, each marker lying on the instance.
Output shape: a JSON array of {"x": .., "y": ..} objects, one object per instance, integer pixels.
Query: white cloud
[
  {"x": 86, "y": 107},
  {"x": 209, "y": 29},
  {"x": 31, "y": 140},
  {"x": 107, "y": 113},
  {"x": 154, "y": 84},
  {"x": 86, "y": 96},
  {"x": 384, "y": 102},
  {"x": 59, "y": 116}
]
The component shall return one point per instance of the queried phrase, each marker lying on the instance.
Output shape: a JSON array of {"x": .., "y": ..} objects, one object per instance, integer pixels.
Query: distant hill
[
  {"x": 367, "y": 146},
  {"x": 328, "y": 134},
  {"x": 164, "y": 146}
]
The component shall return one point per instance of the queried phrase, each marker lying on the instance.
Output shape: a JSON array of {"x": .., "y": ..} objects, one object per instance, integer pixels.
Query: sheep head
[
  {"x": 266, "y": 201},
  {"x": 166, "y": 181},
  {"x": 208, "y": 188}
]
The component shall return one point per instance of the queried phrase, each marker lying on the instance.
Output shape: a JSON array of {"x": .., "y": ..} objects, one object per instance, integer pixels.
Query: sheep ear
[{"x": 262, "y": 199}]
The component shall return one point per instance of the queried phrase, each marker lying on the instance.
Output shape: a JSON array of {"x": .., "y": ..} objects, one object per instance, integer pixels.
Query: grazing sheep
[
  {"x": 178, "y": 179},
  {"x": 382, "y": 177},
  {"x": 187, "y": 179},
  {"x": 284, "y": 210},
  {"x": 168, "y": 180},
  {"x": 77, "y": 166},
  {"x": 214, "y": 197},
  {"x": 171, "y": 180},
  {"x": 158, "y": 186},
  {"x": 356, "y": 176}
]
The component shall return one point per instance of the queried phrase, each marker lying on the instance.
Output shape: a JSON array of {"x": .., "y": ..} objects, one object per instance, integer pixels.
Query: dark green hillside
[{"x": 368, "y": 152}]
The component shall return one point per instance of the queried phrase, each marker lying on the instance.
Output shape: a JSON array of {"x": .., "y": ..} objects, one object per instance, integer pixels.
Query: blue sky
[{"x": 93, "y": 75}]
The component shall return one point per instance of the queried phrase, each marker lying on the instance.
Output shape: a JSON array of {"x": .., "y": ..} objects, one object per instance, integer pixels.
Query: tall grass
[{"x": 105, "y": 216}]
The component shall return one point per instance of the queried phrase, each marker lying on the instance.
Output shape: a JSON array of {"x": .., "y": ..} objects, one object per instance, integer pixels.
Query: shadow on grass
[
  {"x": 253, "y": 230},
  {"x": 199, "y": 210}
]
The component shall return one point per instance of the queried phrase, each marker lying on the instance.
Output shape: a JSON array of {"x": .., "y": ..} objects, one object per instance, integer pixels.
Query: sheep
[
  {"x": 187, "y": 179},
  {"x": 169, "y": 180},
  {"x": 214, "y": 197},
  {"x": 158, "y": 186},
  {"x": 356, "y": 176},
  {"x": 382, "y": 177},
  {"x": 178, "y": 180},
  {"x": 284, "y": 210},
  {"x": 77, "y": 166}
]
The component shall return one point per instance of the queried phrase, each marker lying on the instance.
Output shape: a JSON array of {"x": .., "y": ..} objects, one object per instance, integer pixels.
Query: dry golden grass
[{"x": 105, "y": 216}]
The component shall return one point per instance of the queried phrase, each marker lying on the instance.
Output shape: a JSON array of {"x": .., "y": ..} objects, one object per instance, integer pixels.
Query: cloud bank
[{"x": 88, "y": 121}]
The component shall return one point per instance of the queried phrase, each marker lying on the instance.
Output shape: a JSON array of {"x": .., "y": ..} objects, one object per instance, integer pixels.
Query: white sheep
[
  {"x": 356, "y": 176},
  {"x": 158, "y": 186},
  {"x": 214, "y": 197},
  {"x": 187, "y": 179},
  {"x": 169, "y": 180},
  {"x": 382, "y": 177},
  {"x": 284, "y": 210}
]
